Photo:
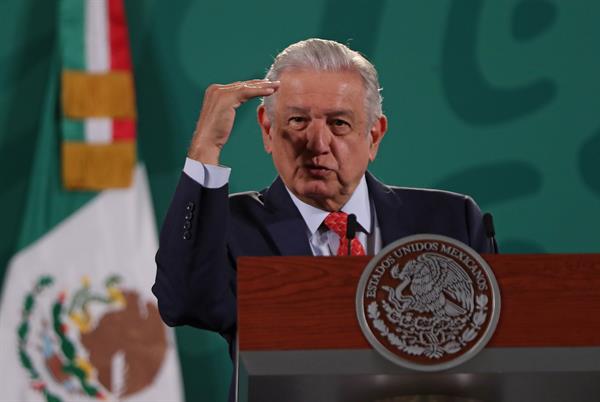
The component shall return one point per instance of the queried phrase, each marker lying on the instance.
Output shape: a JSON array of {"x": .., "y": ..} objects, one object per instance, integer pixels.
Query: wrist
[{"x": 205, "y": 153}]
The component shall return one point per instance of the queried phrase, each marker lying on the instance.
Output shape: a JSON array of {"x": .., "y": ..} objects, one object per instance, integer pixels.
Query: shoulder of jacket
[
  {"x": 246, "y": 196},
  {"x": 428, "y": 192}
]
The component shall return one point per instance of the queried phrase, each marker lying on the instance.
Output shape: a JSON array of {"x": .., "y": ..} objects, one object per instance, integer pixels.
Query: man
[{"x": 322, "y": 123}]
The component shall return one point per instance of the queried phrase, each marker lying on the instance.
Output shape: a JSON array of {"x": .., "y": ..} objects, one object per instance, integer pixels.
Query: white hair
[{"x": 327, "y": 55}]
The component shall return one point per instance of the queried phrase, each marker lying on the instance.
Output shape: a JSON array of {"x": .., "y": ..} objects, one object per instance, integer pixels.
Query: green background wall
[{"x": 498, "y": 99}]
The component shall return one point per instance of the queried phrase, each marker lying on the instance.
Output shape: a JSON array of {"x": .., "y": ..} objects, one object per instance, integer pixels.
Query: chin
[{"x": 316, "y": 189}]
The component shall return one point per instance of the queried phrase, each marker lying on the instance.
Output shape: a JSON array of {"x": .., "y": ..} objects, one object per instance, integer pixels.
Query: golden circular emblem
[{"x": 428, "y": 302}]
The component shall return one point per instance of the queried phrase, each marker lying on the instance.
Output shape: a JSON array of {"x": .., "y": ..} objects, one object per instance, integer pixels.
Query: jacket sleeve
[{"x": 195, "y": 277}]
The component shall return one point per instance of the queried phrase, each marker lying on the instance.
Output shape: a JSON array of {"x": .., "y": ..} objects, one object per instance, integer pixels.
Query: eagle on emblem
[{"x": 437, "y": 285}]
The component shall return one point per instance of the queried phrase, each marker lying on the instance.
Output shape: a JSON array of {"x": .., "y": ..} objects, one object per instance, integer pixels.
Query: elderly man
[{"x": 321, "y": 121}]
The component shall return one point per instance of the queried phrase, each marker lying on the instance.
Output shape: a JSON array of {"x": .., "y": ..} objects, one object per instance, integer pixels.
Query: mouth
[{"x": 317, "y": 170}]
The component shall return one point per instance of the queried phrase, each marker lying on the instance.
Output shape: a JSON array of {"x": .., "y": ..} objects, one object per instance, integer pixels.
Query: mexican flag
[{"x": 78, "y": 321}]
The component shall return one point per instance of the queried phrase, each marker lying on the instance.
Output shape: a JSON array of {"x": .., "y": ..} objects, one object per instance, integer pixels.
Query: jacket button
[
  {"x": 187, "y": 225},
  {"x": 190, "y": 206},
  {"x": 188, "y": 216},
  {"x": 187, "y": 235}
]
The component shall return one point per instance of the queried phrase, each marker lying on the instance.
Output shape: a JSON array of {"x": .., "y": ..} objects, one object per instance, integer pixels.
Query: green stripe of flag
[
  {"x": 71, "y": 18},
  {"x": 48, "y": 203},
  {"x": 73, "y": 130}
]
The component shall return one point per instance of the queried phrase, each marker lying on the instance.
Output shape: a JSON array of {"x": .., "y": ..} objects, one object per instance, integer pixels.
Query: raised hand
[{"x": 218, "y": 114}]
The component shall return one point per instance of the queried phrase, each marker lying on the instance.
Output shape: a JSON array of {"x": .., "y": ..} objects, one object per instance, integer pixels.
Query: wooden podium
[{"x": 299, "y": 338}]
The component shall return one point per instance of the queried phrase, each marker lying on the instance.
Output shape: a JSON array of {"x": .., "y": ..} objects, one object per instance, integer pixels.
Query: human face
[{"x": 319, "y": 138}]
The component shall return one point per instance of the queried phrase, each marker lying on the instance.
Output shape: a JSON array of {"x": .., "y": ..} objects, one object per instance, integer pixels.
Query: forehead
[{"x": 320, "y": 90}]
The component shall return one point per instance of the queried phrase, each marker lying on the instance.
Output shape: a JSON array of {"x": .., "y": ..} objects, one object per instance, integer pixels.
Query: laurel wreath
[
  {"x": 67, "y": 347},
  {"x": 23, "y": 334},
  {"x": 432, "y": 351},
  {"x": 69, "y": 351}
]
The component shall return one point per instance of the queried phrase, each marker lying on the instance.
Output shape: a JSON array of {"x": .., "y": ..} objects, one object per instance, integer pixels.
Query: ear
[
  {"x": 376, "y": 135},
  {"x": 265, "y": 127}
]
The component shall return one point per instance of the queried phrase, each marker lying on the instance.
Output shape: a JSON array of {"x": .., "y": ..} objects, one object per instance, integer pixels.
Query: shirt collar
[{"x": 358, "y": 204}]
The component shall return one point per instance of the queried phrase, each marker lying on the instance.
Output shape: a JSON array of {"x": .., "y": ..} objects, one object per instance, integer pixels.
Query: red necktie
[{"x": 337, "y": 222}]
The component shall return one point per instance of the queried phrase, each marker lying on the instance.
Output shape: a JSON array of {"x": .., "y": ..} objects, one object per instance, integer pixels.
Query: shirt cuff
[{"x": 209, "y": 176}]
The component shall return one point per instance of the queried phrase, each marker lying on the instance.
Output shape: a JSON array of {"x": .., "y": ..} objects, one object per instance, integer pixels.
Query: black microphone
[
  {"x": 351, "y": 227},
  {"x": 490, "y": 232}
]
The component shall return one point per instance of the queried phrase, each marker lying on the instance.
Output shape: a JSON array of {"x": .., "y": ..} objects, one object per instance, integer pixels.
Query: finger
[
  {"x": 241, "y": 91},
  {"x": 263, "y": 83},
  {"x": 247, "y": 92},
  {"x": 257, "y": 80},
  {"x": 239, "y": 84},
  {"x": 254, "y": 84}
]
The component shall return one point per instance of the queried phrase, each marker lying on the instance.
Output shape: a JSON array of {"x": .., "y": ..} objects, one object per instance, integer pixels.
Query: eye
[
  {"x": 340, "y": 126},
  {"x": 297, "y": 122}
]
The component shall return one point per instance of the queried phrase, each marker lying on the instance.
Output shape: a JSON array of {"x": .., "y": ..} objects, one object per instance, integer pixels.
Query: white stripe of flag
[{"x": 97, "y": 60}]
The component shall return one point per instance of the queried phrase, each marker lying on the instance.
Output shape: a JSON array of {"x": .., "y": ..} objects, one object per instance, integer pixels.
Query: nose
[{"x": 318, "y": 137}]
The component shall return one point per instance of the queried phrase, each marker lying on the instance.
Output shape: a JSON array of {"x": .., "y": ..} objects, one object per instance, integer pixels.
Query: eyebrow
[{"x": 328, "y": 113}]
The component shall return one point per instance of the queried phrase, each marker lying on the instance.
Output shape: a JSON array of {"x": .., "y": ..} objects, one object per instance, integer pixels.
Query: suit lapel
[
  {"x": 288, "y": 230},
  {"x": 284, "y": 223},
  {"x": 392, "y": 214}
]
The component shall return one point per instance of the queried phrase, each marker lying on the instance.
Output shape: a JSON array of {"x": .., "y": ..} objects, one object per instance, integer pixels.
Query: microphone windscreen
[
  {"x": 351, "y": 226},
  {"x": 488, "y": 224}
]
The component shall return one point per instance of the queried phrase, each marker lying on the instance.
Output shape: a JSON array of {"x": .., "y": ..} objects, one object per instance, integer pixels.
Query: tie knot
[{"x": 337, "y": 222}]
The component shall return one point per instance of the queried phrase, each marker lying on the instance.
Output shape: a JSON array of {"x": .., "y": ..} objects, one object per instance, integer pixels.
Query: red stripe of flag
[
  {"x": 123, "y": 129},
  {"x": 120, "y": 58}
]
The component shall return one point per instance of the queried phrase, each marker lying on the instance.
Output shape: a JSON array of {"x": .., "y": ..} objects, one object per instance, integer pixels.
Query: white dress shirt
[{"x": 323, "y": 242}]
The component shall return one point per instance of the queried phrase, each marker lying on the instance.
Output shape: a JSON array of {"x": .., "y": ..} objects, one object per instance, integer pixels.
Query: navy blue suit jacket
[{"x": 205, "y": 230}]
